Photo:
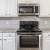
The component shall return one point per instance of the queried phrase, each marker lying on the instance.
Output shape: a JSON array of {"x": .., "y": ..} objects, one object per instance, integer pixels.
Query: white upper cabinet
[
  {"x": 28, "y": 1},
  {"x": 12, "y": 7},
  {"x": 44, "y": 8},
  {"x": 1, "y": 7},
  {"x": 34, "y": 1},
  {"x": 8, "y": 8},
  {"x": 22, "y": 1}
]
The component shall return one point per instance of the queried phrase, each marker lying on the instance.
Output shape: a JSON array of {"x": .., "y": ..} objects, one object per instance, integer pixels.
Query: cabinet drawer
[
  {"x": 46, "y": 35},
  {"x": 0, "y": 34},
  {"x": 9, "y": 34}
]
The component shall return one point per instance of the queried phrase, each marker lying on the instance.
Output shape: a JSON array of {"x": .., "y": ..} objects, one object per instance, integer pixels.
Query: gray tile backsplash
[
  {"x": 44, "y": 22},
  {"x": 14, "y": 22},
  {"x": 28, "y": 18},
  {"x": 9, "y": 24}
]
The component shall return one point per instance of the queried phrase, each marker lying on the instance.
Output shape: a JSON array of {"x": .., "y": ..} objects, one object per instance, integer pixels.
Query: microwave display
[
  {"x": 26, "y": 9},
  {"x": 36, "y": 9}
]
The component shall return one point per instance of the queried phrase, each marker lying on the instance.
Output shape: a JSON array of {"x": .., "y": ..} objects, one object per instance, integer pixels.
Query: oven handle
[
  {"x": 25, "y": 35},
  {"x": 37, "y": 35},
  {"x": 29, "y": 35}
]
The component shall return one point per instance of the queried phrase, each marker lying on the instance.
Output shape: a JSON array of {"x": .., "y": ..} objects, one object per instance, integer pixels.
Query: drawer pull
[
  {"x": 0, "y": 39},
  {"x": 4, "y": 39},
  {"x": 26, "y": 1},
  {"x": 9, "y": 14},
  {"x": 5, "y": 14},
  {"x": 48, "y": 14},
  {"x": 9, "y": 35},
  {"x": 48, "y": 35},
  {"x": 30, "y": 1}
]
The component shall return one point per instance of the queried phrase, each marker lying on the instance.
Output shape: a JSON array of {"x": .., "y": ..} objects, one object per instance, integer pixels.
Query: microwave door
[{"x": 26, "y": 9}]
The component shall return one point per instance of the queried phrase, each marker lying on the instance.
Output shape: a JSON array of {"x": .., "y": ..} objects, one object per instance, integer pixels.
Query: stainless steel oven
[
  {"x": 29, "y": 36},
  {"x": 30, "y": 42},
  {"x": 28, "y": 9}
]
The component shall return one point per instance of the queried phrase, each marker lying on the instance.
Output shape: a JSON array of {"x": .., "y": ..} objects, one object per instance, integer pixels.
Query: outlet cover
[{"x": 45, "y": 22}]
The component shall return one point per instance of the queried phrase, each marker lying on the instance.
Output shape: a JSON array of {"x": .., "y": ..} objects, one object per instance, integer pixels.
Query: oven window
[
  {"x": 29, "y": 41},
  {"x": 26, "y": 9}
]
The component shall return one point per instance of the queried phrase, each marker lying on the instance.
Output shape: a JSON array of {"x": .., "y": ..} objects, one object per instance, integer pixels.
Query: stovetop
[
  {"x": 22, "y": 31},
  {"x": 30, "y": 27},
  {"x": 29, "y": 30}
]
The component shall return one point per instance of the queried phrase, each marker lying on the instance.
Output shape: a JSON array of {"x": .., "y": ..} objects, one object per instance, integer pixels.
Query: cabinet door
[
  {"x": 22, "y": 1},
  {"x": 12, "y": 7},
  {"x": 0, "y": 44},
  {"x": 44, "y": 7},
  {"x": 34, "y": 1},
  {"x": 28, "y": 1},
  {"x": 9, "y": 44},
  {"x": 46, "y": 44},
  {"x": 2, "y": 7},
  {"x": 5, "y": 7}
]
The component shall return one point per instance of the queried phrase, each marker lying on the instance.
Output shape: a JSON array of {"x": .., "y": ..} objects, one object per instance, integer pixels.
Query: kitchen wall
[{"x": 14, "y": 22}]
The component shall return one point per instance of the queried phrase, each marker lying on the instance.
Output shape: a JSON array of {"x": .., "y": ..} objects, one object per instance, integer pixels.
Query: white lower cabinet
[
  {"x": 9, "y": 44},
  {"x": 46, "y": 44},
  {"x": 1, "y": 43},
  {"x": 7, "y": 41},
  {"x": 46, "y": 41}
]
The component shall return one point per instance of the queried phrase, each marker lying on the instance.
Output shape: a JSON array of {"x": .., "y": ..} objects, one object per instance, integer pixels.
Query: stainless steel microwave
[{"x": 28, "y": 9}]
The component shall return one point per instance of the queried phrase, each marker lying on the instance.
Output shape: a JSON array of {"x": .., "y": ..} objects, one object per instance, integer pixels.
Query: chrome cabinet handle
[
  {"x": 48, "y": 35},
  {"x": 4, "y": 39},
  {"x": 26, "y": 1},
  {"x": 9, "y": 35},
  {"x": 0, "y": 39},
  {"x": 48, "y": 14},
  {"x": 30, "y": 1},
  {"x": 5, "y": 14},
  {"x": 9, "y": 14}
]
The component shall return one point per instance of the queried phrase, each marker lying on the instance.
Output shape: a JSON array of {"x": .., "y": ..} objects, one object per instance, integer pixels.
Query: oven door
[{"x": 29, "y": 41}]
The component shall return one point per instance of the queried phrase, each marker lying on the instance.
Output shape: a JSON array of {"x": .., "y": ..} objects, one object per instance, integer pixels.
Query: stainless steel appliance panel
[
  {"x": 28, "y": 9},
  {"x": 29, "y": 41},
  {"x": 39, "y": 48}
]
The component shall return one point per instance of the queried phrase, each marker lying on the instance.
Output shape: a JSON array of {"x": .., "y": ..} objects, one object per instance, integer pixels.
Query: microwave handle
[{"x": 34, "y": 9}]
